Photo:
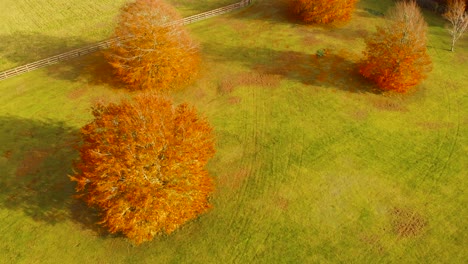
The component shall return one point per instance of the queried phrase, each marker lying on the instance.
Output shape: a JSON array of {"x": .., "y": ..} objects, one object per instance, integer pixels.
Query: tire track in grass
[
  {"x": 268, "y": 238},
  {"x": 268, "y": 168},
  {"x": 256, "y": 178},
  {"x": 239, "y": 223}
]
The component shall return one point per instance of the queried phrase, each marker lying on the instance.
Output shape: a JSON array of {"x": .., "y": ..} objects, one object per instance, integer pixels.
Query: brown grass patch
[
  {"x": 7, "y": 154},
  {"x": 407, "y": 223},
  {"x": 311, "y": 40},
  {"x": 26, "y": 133},
  {"x": 374, "y": 242},
  {"x": 31, "y": 162},
  {"x": 234, "y": 181},
  {"x": 435, "y": 125},
  {"x": 234, "y": 100},
  {"x": 258, "y": 79},
  {"x": 77, "y": 93},
  {"x": 237, "y": 25},
  {"x": 389, "y": 105},
  {"x": 248, "y": 79},
  {"x": 281, "y": 203},
  {"x": 461, "y": 58},
  {"x": 226, "y": 86},
  {"x": 200, "y": 93},
  {"x": 100, "y": 100},
  {"x": 359, "y": 115}
]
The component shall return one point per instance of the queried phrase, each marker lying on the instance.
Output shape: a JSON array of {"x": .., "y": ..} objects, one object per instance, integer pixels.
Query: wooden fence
[{"x": 106, "y": 43}]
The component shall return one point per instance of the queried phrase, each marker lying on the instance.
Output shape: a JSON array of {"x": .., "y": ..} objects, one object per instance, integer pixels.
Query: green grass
[{"x": 312, "y": 166}]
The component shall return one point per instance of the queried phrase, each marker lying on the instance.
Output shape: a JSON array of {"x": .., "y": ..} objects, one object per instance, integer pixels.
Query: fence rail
[{"x": 106, "y": 43}]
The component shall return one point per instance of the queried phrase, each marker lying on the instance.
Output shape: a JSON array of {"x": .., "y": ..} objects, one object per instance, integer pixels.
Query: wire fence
[{"x": 106, "y": 43}]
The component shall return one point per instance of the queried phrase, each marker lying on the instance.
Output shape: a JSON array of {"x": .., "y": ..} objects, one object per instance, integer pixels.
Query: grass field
[{"x": 312, "y": 165}]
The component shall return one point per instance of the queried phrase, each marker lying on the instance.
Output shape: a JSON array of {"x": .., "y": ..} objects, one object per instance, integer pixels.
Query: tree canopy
[
  {"x": 396, "y": 56},
  {"x": 152, "y": 50},
  {"x": 323, "y": 11},
  {"x": 142, "y": 164}
]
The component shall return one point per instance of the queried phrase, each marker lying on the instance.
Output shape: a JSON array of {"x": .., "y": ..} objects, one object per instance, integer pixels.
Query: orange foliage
[
  {"x": 152, "y": 52},
  {"x": 458, "y": 18},
  {"x": 142, "y": 165},
  {"x": 323, "y": 11},
  {"x": 396, "y": 55}
]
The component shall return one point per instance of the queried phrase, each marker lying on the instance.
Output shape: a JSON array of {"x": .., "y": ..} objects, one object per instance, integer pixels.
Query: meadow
[{"x": 313, "y": 164}]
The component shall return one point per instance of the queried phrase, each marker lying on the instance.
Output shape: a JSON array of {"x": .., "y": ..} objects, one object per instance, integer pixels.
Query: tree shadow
[
  {"x": 279, "y": 11},
  {"x": 273, "y": 11},
  {"x": 191, "y": 7},
  {"x": 336, "y": 69},
  {"x": 36, "y": 159},
  {"x": 21, "y": 48},
  {"x": 91, "y": 68}
]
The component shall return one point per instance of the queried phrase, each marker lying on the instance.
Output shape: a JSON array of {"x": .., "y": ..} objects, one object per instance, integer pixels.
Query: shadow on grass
[
  {"x": 36, "y": 159},
  {"x": 91, "y": 68},
  {"x": 280, "y": 12},
  {"x": 337, "y": 69},
  {"x": 21, "y": 48},
  {"x": 272, "y": 11}
]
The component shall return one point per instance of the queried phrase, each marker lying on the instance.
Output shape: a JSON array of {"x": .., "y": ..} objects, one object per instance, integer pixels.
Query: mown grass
[{"x": 313, "y": 165}]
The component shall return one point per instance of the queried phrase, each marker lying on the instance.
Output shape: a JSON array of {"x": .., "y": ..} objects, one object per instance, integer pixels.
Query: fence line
[{"x": 106, "y": 43}]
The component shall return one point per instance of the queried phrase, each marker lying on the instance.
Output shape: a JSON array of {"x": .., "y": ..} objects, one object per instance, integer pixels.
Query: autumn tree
[
  {"x": 458, "y": 17},
  {"x": 322, "y": 11},
  {"x": 396, "y": 55},
  {"x": 142, "y": 164},
  {"x": 152, "y": 51}
]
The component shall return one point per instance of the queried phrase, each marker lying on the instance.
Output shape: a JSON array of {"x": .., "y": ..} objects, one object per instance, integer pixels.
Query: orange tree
[
  {"x": 323, "y": 11},
  {"x": 150, "y": 51},
  {"x": 396, "y": 55},
  {"x": 142, "y": 165},
  {"x": 458, "y": 17}
]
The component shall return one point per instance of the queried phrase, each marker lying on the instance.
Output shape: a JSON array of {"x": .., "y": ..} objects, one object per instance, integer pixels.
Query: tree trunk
[{"x": 453, "y": 45}]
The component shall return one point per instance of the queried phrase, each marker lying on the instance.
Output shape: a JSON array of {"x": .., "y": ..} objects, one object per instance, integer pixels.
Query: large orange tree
[
  {"x": 151, "y": 50},
  {"x": 322, "y": 11},
  {"x": 142, "y": 164},
  {"x": 396, "y": 56}
]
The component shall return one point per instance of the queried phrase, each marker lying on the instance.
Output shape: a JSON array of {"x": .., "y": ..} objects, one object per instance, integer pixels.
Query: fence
[{"x": 106, "y": 43}]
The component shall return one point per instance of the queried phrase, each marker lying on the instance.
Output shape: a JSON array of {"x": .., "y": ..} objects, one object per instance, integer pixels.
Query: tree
[
  {"x": 152, "y": 51},
  {"x": 142, "y": 165},
  {"x": 444, "y": 3},
  {"x": 323, "y": 11},
  {"x": 396, "y": 55},
  {"x": 457, "y": 16}
]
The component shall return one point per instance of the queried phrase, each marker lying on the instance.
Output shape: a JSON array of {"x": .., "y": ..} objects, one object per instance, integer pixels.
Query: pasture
[{"x": 313, "y": 165}]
